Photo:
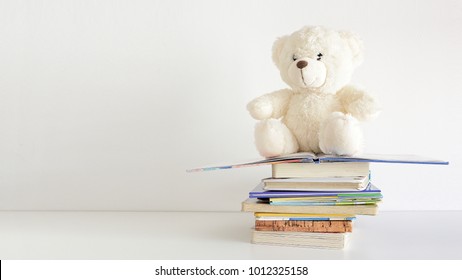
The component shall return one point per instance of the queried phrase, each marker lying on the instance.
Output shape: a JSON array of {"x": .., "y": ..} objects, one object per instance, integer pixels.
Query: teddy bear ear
[
  {"x": 277, "y": 48},
  {"x": 356, "y": 46}
]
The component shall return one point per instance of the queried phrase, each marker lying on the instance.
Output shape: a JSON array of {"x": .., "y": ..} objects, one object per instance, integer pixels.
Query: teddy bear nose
[{"x": 302, "y": 64}]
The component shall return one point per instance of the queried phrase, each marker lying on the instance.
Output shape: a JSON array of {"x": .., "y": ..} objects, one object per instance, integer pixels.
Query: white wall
[{"x": 104, "y": 104}]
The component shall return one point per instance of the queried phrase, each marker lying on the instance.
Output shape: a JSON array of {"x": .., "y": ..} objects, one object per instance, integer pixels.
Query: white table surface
[{"x": 215, "y": 235}]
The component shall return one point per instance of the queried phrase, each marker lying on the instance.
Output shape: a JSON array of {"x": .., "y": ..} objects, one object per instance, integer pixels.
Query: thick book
[
  {"x": 255, "y": 205},
  {"x": 259, "y": 192},
  {"x": 310, "y": 170},
  {"x": 313, "y": 240},
  {"x": 322, "y": 158},
  {"x": 304, "y": 226},
  {"x": 356, "y": 183}
]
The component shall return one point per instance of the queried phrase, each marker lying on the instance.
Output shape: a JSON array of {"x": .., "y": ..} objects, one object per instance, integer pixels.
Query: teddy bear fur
[{"x": 320, "y": 112}]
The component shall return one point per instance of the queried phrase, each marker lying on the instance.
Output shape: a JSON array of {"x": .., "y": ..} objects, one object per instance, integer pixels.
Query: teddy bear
[{"x": 320, "y": 112}]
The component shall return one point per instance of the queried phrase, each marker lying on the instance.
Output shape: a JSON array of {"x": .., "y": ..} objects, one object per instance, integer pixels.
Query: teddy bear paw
[
  {"x": 273, "y": 138},
  {"x": 364, "y": 108},
  {"x": 260, "y": 109},
  {"x": 340, "y": 135}
]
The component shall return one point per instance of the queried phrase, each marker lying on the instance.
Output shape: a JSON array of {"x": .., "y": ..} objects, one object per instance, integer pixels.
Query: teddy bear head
[{"x": 317, "y": 58}]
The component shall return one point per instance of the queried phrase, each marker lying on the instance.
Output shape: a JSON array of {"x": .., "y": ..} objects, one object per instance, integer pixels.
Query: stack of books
[
  {"x": 312, "y": 200},
  {"x": 311, "y": 205}
]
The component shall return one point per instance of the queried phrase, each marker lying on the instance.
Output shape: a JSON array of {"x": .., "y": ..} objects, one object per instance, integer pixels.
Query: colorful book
[
  {"x": 259, "y": 192},
  {"x": 324, "y": 203},
  {"x": 333, "y": 198}
]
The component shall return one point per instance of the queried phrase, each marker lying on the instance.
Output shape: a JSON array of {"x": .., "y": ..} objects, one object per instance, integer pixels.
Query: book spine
[{"x": 304, "y": 226}]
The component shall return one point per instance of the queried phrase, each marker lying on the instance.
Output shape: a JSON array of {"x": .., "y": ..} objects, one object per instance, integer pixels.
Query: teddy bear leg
[
  {"x": 273, "y": 138},
  {"x": 340, "y": 135}
]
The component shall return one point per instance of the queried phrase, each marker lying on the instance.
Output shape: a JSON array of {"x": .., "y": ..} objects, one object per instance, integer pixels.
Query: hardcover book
[
  {"x": 356, "y": 183},
  {"x": 254, "y": 205},
  {"x": 309, "y": 170},
  {"x": 302, "y": 217}
]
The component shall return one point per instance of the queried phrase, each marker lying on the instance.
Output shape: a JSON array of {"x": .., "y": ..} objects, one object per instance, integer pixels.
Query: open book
[{"x": 322, "y": 158}]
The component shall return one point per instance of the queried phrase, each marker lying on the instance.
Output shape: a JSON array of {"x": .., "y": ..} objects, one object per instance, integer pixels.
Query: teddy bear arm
[
  {"x": 280, "y": 100},
  {"x": 358, "y": 103},
  {"x": 271, "y": 105}
]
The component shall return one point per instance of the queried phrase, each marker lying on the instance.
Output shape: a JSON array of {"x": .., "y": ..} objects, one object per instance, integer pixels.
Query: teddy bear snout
[{"x": 302, "y": 64}]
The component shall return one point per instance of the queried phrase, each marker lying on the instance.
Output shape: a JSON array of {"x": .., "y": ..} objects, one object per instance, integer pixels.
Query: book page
[{"x": 297, "y": 157}]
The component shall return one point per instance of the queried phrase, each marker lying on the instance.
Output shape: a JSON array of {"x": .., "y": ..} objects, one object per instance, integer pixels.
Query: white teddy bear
[{"x": 320, "y": 112}]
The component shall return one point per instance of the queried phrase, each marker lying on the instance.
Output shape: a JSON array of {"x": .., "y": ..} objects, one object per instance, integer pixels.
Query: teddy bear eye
[
  {"x": 294, "y": 57},
  {"x": 319, "y": 56}
]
